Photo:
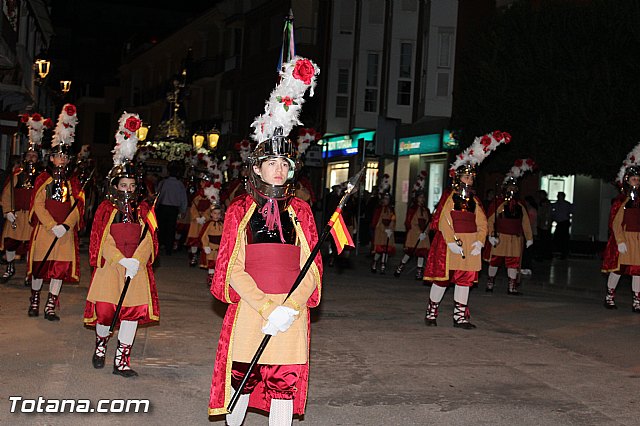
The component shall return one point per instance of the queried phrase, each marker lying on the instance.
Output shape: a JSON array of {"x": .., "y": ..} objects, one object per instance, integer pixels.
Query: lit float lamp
[
  {"x": 42, "y": 67},
  {"x": 198, "y": 140},
  {"x": 213, "y": 136},
  {"x": 65, "y": 86},
  {"x": 142, "y": 132}
]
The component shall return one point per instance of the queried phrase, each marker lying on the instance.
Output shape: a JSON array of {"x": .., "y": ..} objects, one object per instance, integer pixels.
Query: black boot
[
  {"x": 610, "y": 299},
  {"x": 461, "y": 317},
  {"x": 636, "y": 303},
  {"x": 50, "y": 308},
  {"x": 419, "y": 273},
  {"x": 374, "y": 266},
  {"x": 383, "y": 268},
  {"x": 27, "y": 281},
  {"x": 194, "y": 259},
  {"x": 122, "y": 360},
  {"x": 100, "y": 352},
  {"x": 513, "y": 287},
  {"x": 399, "y": 269},
  {"x": 34, "y": 300},
  {"x": 11, "y": 270},
  {"x": 430, "y": 318}
]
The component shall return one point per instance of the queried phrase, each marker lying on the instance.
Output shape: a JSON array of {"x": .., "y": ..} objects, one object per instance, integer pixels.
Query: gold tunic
[{"x": 445, "y": 225}]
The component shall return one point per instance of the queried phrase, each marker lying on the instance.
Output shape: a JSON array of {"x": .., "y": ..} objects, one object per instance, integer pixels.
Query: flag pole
[{"x": 351, "y": 185}]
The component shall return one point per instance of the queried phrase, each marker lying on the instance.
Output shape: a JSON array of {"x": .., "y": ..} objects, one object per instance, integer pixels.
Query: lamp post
[
  {"x": 42, "y": 67},
  {"x": 213, "y": 136},
  {"x": 65, "y": 86}
]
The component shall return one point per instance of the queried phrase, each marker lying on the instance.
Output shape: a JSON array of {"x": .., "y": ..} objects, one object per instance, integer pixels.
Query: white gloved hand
[
  {"x": 59, "y": 230},
  {"x": 131, "y": 266},
  {"x": 200, "y": 220},
  {"x": 455, "y": 249},
  {"x": 207, "y": 250},
  {"x": 389, "y": 233},
  {"x": 270, "y": 329},
  {"x": 529, "y": 243},
  {"x": 422, "y": 236},
  {"x": 493, "y": 241},
  {"x": 477, "y": 248},
  {"x": 622, "y": 248},
  {"x": 282, "y": 317},
  {"x": 10, "y": 217}
]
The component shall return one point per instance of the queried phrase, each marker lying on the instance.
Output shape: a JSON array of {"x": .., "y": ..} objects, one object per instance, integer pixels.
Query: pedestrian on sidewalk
[
  {"x": 54, "y": 222},
  {"x": 123, "y": 245},
  {"x": 544, "y": 245},
  {"x": 509, "y": 230},
  {"x": 267, "y": 237},
  {"x": 172, "y": 201},
  {"x": 561, "y": 214},
  {"x": 460, "y": 227},
  {"x": 622, "y": 253}
]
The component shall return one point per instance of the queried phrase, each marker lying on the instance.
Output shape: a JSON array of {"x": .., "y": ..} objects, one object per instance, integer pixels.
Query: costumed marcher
[
  {"x": 268, "y": 236},
  {"x": 384, "y": 226},
  {"x": 199, "y": 213},
  {"x": 240, "y": 172},
  {"x": 55, "y": 222},
  {"x": 211, "y": 231},
  {"x": 16, "y": 197},
  {"x": 123, "y": 245},
  {"x": 460, "y": 227},
  {"x": 622, "y": 253},
  {"x": 417, "y": 241},
  {"x": 304, "y": 187},
  {"x": 509, "y": 229}
]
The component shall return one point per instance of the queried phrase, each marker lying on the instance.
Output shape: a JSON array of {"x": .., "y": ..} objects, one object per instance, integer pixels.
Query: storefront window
[
  {"x": 337, "y": 173},
  {"x": 436, "y": 174},
  {"x": 554, "y": 184},
  {"x": 371, "y": 175}
]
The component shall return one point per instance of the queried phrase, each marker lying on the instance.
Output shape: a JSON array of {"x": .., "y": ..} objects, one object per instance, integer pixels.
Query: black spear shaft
[
  {"x": 353, "y": 182},
  {"x": 127, "y": 281},
  {"x": 55, "y": 240}
]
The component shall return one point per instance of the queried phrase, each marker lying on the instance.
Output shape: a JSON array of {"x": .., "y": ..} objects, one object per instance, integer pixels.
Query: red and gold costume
[
  {"x": 210, "y": 237},
  {"x": 16, "y": 198},
  {"x": 63, "y": 263},
  {"x": 254, "y": 279},
  {"x": 512, "y": 230},
  {"x": 451, "y": 218},
  {"x": 234, "y": 189},
  {"x": 110, "y": 242},
  {"x": 384, "y": 218},
  {"x": 416, "y": 223},
  {"x": 200, "y": 208}
]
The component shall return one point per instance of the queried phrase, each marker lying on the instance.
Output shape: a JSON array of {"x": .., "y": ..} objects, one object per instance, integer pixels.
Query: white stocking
[
  {"x": 11, "y": 255},
  {"x": 127, "y": 332},
  {"x": 385, "y": 256},
  {"x": 635, "y": 284},
  {"x": 405, "y": 258},
  {"x": 493, "y": 271},
  {"x": 211, "y": 271},
  {"x": 612, "y": 281},
  {"x": 376, "y": 257},
  {"x": 102, "y": 330},
  {"x": 437, "y": 293},
  {"x": 512, "y": 273},
  {"x": 236, "y": 417},
  {"x": 461, "y": 294},
  {"x": 36, "y": 284},
  {"x": 420, "y": 262},
  {"x": 281, "y": 412},
  {"x": 55, "y": 286},
  {"x": 194, "y": 250}
]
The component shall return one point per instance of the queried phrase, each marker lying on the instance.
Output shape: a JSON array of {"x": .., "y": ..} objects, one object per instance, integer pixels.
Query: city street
[{"x": 553, "y": 356}]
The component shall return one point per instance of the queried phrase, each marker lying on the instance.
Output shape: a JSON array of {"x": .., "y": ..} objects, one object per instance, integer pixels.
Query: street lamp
[
  {"x": 43, "y": 67},
  {"x": 65, "y": 86},
  {"x": 198, "y": 140}
]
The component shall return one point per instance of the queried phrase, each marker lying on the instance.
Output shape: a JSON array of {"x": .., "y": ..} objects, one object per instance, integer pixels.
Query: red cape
[
  {"x": 610, "y": 255},
  {"x": 220, "y": 288},
  {"x": 101, "y": 223}
]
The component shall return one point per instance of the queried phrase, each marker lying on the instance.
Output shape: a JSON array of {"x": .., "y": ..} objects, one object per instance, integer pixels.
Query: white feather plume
[
  {"x": 633, "y": 159},
  {"x": 36, "y": 130},
  {"x": 519, "y": 168},
  {"x": 65, "y": 130},
  {"x": 480, "y": 149},
  {"x": 126, "y": 140}
]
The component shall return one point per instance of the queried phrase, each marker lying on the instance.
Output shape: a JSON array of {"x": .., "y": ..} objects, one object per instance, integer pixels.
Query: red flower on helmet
[
  {"x": 36, "y": 117},
  {"x": 497, "y": 135},
  {"x": 485, "y": 141},
  {"x": 70, "y": 109},
  {"x": 531, "y": 163},
  {"x": 304, "y": 70},
  {"x": 507, "y": 137},
  {"x": 24, "y": 118},
  {"x": 217, "y": 185},
  {"x": 132, "y": 124},
  {"x": 518, "y": 163},
  {"x": 452, "y": 173},
  {"x": 48, "y": 123}
]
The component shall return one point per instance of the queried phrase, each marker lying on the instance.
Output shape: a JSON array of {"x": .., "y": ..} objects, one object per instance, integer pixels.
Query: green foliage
[{"x": 563, "y": 78}]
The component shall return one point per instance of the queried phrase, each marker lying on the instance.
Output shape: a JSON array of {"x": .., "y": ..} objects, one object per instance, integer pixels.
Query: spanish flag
[
  {"x": 339, "y": 231},
  {"x": 151, "y": 219}
]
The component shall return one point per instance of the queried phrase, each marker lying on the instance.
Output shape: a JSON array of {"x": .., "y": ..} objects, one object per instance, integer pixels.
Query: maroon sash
[
  {"x": 510, "y": 226},
  {"x": 126, "y": 236},
  {"x": 58, "y": 210},
  {"x": 274, "y": 267},
  {"x": 422, "y": 223},
  {"x": 22, "y": 198},
  {"x": 215, "y": 239},
  {"x": 631, "y": 220},
  {"x": 203, "y": 205},
  {"x": 464, "y": 222}
]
